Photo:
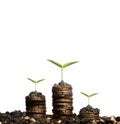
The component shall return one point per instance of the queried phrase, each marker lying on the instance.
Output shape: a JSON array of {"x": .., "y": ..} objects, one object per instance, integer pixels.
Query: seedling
[
  {"x": 35, "y": 82},
  {"x": 62, "y": 66},
  {"x": 88, "y": 96}
]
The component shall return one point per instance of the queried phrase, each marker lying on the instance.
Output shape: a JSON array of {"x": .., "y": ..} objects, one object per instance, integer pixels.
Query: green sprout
[
  {"x": 62, "y": 66},
  {"x": 35, "y": 82},
  {"x": 88, "y": 96}
]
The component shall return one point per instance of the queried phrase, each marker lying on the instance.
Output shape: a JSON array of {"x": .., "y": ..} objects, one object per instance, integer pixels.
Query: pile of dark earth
[{"x": 18, "y": 117}]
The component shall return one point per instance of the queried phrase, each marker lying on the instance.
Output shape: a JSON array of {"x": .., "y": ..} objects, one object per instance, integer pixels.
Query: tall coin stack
[
  {"x": 35, "y": 105},
  {"x": 62, "y": 100}
]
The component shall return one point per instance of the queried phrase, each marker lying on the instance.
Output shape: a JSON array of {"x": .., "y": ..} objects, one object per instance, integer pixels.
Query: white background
[{"x": 33, "y": 31}]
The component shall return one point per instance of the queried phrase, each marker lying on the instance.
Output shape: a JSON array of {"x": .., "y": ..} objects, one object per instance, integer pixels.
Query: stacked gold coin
[
  {"x": 36, "y": 105},
  {"x": 62, "y": 100},
  {"x": 89, "y": 112}
]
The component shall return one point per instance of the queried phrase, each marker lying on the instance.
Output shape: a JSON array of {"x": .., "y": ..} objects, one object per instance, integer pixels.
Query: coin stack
[
  {"x": 62, "y": 100},
  {"x": 36, "y": 105},
  {"x": 89, "y": 112}
]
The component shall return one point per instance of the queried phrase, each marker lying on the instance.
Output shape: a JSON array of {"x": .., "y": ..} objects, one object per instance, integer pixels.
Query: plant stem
[
  {"x": 88, "y": 100},
  {"x": 61, "y": 74},
  {"x": 35, "y": 86}
]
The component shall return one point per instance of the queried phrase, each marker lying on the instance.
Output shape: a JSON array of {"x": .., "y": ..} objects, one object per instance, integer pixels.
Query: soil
[{"x": 18, "y": 117}]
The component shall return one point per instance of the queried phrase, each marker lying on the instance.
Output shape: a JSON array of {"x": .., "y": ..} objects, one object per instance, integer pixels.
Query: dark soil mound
[{"x": 18, "y": 117}]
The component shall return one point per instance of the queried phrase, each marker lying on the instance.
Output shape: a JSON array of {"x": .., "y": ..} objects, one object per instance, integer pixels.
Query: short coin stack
[
  {"x": 35, "y": 105},
  {"x": 62, "y": 100},
  {"x": 89, "y": 112}
]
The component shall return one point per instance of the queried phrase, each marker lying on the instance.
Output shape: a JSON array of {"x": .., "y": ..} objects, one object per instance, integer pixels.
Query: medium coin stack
[
  {"x": 62, "y": 100},
  {"x": 36, "y": 105}
]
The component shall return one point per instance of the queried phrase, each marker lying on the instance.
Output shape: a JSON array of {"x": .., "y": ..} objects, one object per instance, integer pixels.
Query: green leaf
[
  {"x": 35, "y": 81},
  {"x": 69, "y": 63},
  {"x": 55, "y": 63},
  {"x": 40, "y": 80},
  {"x": 93, "y": 94},
  {"x": 84, "y": 94},
  {"x": 31, "y": 80},
  {"x": 89, "y": 95}
]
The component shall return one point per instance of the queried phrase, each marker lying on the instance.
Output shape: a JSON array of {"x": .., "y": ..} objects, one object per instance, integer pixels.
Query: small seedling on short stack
[{"x": 88, "y": 96}]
